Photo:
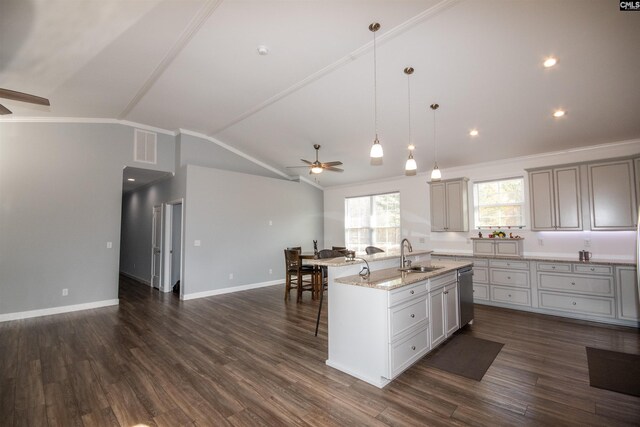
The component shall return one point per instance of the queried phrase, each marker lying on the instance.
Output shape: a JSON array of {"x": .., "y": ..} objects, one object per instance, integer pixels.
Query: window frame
[
  {"x": 522, "y": 204},
  {"x": 371, "y": 230}
]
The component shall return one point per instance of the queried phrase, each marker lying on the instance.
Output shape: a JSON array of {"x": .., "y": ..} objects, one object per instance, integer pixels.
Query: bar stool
[{"x": 295, "y": 274}]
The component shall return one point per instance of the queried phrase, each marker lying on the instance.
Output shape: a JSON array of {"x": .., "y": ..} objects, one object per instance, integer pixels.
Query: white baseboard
[
  {"x": 231, "y": 289},
  {"x": 136, "y": 278},
  {"x": 57, "y": 310},
  {"x": 378, "y": 382}
]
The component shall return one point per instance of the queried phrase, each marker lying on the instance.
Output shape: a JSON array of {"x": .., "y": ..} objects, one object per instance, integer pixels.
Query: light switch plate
[
  {"x": 196, "y": 243},
  {"x": 109, "y": 245}
]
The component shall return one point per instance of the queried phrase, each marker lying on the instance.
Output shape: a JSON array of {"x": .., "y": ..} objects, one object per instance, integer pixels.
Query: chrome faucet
[{"x": 405, "y": 263}]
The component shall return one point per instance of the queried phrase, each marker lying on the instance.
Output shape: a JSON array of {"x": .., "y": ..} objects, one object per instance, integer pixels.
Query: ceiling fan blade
[
  {"x": 307, "y": 161},
  {"x": 332, "y": 169},
  {"x": 24, "y": 97},
  {"x": 331, "y": 164},
  {"x": 4, "y": 110}
]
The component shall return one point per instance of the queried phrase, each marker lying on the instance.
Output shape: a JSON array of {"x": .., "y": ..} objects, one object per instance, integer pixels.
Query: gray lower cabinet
[
  {"x": 598, "y": 292},
  {"x": 444, "y": 309}
]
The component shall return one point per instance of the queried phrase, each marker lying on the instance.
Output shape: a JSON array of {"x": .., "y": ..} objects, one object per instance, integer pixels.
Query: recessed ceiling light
[
  {"x": 550, "y": 62},
  {"x": 559, "y": 113},
  {"x": 474, "y": 132},
  {"x": 263, "y": 50},
  {"x": 131, "y": 179}
]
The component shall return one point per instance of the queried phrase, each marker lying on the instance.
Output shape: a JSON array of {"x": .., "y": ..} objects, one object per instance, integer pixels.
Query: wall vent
[{"x": 145, "y": 147}]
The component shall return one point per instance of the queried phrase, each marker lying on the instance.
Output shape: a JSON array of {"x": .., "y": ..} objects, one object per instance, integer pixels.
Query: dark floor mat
[
  {"x": 615, "y": 371},
  {"x": 466, "y": 356}
]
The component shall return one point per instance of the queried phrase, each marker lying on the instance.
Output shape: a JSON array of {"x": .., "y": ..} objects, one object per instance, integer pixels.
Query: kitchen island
[{"x": 380, "y": 325}]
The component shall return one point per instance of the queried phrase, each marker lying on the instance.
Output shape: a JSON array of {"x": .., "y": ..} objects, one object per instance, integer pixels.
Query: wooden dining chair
[
  {"x": 370, "y": 250},
  {"x": 296, "y": 273}
]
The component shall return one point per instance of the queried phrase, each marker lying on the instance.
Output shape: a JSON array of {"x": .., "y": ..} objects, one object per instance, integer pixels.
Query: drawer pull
[
  {"x": 509, "y": 277},
  {"x": 413, "y": 347},
  {"x": 509, "y": 295},
  {"x": 573, "y": 283},
  {"x": 413, "y": 315},
  {"x": 553, "y": 267},
  {"x": 592, "y": 269},
  {"x": 574, "y": 303},
  {"x": 411, "y": 292},
  {"x": 508, "y": 264}
]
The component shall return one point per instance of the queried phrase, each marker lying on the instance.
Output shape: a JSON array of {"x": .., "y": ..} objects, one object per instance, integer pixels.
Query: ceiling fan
[
  {"x": 20, "y": 96},
  {"x": 317, "y": 166}
]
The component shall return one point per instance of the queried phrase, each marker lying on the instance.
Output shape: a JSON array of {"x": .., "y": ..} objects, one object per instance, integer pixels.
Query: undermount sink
[{"x": 420, "y": 269}]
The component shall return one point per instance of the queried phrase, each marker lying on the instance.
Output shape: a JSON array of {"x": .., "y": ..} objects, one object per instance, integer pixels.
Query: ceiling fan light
[
  {"x": 316, "y": 169},
  {"x": 436, "y": 175},
  {"x": 376, "y": 150}
]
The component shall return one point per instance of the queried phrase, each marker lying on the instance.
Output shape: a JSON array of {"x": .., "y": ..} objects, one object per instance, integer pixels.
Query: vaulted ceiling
[{"x": 193, "y": 64}]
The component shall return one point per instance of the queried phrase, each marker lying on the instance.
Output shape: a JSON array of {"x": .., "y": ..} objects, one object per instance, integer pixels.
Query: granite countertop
[
  {"x": 543, "y": 259},
  {"x": 392, "y": 278},
  {"x": 342, "y": 261}
]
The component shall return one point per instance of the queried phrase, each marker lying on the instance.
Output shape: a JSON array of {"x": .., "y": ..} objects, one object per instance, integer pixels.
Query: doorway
[{"x": 172, "y": 238}]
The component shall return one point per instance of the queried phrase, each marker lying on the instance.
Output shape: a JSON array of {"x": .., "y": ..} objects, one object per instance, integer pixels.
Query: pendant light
[
  {"x": 435, "y": 173},
  {"x": 411, "y": 167},
  {"x": 376, "y": 148}
]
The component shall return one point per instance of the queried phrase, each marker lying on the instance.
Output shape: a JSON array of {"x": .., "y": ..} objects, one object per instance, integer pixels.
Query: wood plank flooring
[{"x": 250, "y": 358}]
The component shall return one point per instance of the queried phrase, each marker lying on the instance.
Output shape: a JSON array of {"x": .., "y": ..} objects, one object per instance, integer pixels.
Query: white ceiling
[{"x": 193, "y": 64}]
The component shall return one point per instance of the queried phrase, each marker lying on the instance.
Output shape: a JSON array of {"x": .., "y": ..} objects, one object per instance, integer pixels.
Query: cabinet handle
[
  {"x": 413, "y": 315},
  {"x": 574, "y": 303},
  {"x": 592, "y": 269},
  {"x": 413, "y": 347},
  {"x": 509, "y": 277},
  {"x": 508, "y": 264},
  {"x": 573, "y": 283},
  {"x": 411, "y": 292},
  {"x": 509, "y": 295},
  {"x": 553, "y": 267}
]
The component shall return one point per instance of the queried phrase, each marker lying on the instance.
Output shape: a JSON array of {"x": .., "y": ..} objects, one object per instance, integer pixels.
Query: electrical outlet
[
  {"x": 421, "y": 240},
  {"x": 587, "y": 243},
  {"x": 65, "y": 292},
  {"x": 270, "y": 222},
  {"x": 540, "y": 242},
  {"x": 196, "y": 243},
  {"x": 109, "y": 245},
  {"x": 230, "y": 276},
  {"x": 270, "y": 271}
]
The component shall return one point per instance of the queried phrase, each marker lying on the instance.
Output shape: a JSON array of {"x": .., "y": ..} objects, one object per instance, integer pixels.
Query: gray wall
[
  {"x": 60, "y": 203},
  {"x": 229, "y": 213}
]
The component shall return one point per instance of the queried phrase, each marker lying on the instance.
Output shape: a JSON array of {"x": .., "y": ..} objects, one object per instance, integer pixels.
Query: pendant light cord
[
  {"x": 375, "y": 87},
  {"x": 435, "y": 145},
  {"x": 409, "y": 100}
]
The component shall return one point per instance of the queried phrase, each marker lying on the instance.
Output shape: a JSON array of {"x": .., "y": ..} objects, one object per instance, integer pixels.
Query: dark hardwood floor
[{"x": 249, "y": 358}]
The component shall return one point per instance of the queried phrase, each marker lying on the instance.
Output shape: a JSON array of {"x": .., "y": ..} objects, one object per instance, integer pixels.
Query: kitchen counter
[
  {"x": 541, "y": 259},
  {"x": 392, "y": 278},
  {"x": 382, "y": 256}
]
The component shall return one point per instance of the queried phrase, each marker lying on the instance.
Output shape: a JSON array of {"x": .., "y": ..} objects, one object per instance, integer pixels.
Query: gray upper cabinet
[
  {"x": 612, "y": 195},
  {"x": 449, "y": 205},
  {"x": 637, "y": 170},
  {"x": 555, "y": 199}
]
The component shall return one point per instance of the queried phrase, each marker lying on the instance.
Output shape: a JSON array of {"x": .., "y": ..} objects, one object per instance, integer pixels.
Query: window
[
  {"x": 372, "y": 221},
  {"x": 499, "y": 203}
]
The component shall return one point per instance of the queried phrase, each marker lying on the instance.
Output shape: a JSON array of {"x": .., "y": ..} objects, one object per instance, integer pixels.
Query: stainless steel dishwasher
[{"x": 465, "y": 286}]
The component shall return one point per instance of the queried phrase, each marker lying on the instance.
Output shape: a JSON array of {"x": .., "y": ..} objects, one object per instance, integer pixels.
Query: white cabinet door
[
  {"x": 612, "y": 195},
  {"x": 637, "y": 170},
  {"x": 541, "y": 200},
  {"x": 567, "y": 198},
  {"x": 438, "y": 207},
  {"x": 452, "y": 314},
  {"x": 436, "y": 312},
  {"x": 457, "y": 218},
  {"x": 628, "y": 304}
]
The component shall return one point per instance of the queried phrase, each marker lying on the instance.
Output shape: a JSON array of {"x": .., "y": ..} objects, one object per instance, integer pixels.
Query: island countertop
[
  {"x": 393, "y": 278},
  {"x": 382, "y": 256}
]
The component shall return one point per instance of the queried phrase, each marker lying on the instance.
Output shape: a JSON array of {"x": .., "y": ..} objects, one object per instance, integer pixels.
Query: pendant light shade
[
  {"x": 376, "y": 148},
  {"x": 411, "y": 167},
  {"x": 436, "y": 175}
]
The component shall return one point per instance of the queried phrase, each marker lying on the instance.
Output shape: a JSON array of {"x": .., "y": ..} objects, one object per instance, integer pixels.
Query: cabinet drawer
[
  {"x": 406, "y": 293},
  {"x": 445, "y": 279},
  {"x": 407, "y": 316},
  {"x": 560, "y": 268},
  {"x": 480, "y": 275},
  {"x": 408, "y": 350},
  {"x": 480, "y": 292},
  {"x": 593, "y": 269},
  {"x": 510, "y": 278},
  {"x": 573, "y": 283},
  {"x": 503, "y": 263},
  {"x": 577, "y": 304},
  {"x": 510, "y": 295},
  {"x": 480, "y": 262}
]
